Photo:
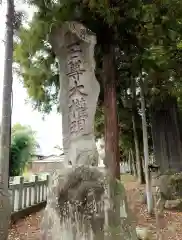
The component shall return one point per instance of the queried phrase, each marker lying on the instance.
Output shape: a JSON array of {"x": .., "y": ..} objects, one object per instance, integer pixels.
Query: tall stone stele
[{"x": 79, "y": 90}]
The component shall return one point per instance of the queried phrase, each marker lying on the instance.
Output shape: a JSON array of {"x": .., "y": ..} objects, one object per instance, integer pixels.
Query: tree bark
[
  {"x": 140, "y": 174},
  {"x": 133, "y": 163},
  {"x": 6, "y": 124},
  {"x": 110, "y": 112},
  {"x": 130, "y": 162},
  {"x": 165, "y": 132},
  {"x": 146, "y": 151},
  {"x": 135, "y": 134}
]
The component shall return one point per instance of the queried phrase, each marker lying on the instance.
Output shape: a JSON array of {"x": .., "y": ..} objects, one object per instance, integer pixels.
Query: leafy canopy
[
  {"x": 147, "y": 37},
  {"x": 33, "y": 53}
]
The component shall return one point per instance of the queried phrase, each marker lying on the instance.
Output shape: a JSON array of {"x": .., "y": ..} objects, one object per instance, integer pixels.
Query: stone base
[
  {"x": 170, "y": 185},
  {"x": 167, "y": 193},
  {"x": 174, "y": 204},
  {"x": 92, "y": 195},
  {"x": 143, "y": 233}
]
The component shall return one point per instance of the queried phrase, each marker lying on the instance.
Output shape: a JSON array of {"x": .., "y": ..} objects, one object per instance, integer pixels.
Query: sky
[{"x": 49, "y": 130}]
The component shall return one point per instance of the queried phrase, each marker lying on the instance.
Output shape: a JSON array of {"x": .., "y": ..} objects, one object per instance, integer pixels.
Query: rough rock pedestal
[{"x": 79, "y": 90}]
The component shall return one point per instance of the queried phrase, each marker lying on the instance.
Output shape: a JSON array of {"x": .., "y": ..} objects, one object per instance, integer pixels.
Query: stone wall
[{"x": 48, "y": 166}]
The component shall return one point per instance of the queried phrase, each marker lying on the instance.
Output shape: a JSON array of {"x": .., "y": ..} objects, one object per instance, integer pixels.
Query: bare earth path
[
  {"x": 169, "y": 227},
  {"x": 26, "y": 229}
]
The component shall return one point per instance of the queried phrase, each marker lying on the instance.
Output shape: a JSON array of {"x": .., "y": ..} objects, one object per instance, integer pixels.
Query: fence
[{"x": 24, "y": 195}]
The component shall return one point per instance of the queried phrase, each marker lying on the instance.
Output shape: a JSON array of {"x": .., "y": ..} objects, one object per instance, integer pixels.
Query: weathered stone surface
[
  {"x": 82, "y": 197},
  {"x": 83, "y": 201},
  {"x": 171, "y": 204},
  {"x": 170, "y": 185},
  {"x": 143, "y": 233},
  {"x": 167, "y": 191},
  {"x": 79, "y": 91}
]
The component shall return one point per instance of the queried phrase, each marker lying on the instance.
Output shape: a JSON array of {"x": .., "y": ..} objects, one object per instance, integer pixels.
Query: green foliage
[
  {"x": 99, "y": 122},
  {"x": 23, "y": 144},
  {"x": 147, "y": 38},
  {"x": 38, "y": 65}
]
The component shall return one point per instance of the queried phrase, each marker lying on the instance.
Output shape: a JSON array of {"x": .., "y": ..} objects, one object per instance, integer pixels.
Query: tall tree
[
  {"x": 6, "y": 123},
  {"x": 135, "y": 134},
  {"x": 39, "y": 66},
  {"x": 146, "y": 149},
  {"x": 111, "y": 114}
]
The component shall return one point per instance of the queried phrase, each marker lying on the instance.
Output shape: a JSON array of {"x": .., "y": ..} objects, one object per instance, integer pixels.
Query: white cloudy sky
[{"x": 49, "y": 132}]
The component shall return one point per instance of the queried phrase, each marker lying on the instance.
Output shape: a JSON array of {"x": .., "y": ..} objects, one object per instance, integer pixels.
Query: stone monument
[
  {"x": 84, "y": 202},
  {"x": 79, "y": 91}
]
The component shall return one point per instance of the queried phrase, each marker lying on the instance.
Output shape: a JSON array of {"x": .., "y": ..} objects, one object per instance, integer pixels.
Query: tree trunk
[
  {"x": 133, "y": 163},
  {"x": 166, "y": 132},
  {"x": 135, "y": 134},
  {"x": 146, "y": 151},
  {"x": 140, "y": 169},
  {"x": 6, "y": 125},
  {"x": 110, "y": 112},
  {"x": 130, "y": 162},
  {"x": 115, "y": 218}
]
